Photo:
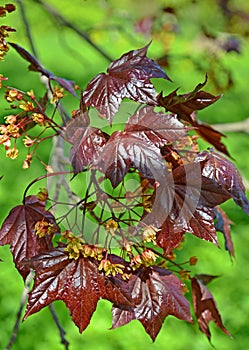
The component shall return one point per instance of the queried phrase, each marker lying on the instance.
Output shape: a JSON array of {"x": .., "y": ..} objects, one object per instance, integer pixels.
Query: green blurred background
[{"x": 189, "y": 38}]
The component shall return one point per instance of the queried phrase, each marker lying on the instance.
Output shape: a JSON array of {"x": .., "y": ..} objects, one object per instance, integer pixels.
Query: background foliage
[{"x": 189, "y": 35}]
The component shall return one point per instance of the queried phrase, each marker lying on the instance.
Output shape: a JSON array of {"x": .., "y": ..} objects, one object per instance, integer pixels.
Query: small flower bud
[
  {"x": 12, "y": 153},
  {"x": 39, "y": 119}
]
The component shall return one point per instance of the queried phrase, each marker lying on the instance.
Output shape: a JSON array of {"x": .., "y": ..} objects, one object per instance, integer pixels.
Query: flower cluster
[
  {"x": 111, "y": 269},
  {"x": 43, "y": 228},
  {"x": 4, "y": 33},
  {"x": 42, "y": 195},
  {"x": 111, "y": 226},
  {"x": 58, "y": 93},
  {"x": 30, "y": 113},
  {"x": 5, "y": 30},
  {"x": 149, "y": 234},
  {"x": 76, "y": 247},
  {"x": 146, "y": 258}
]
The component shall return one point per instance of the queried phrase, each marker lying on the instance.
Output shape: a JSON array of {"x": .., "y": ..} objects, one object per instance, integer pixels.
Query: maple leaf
[
  {"x": 37, "y": 67},
  {"x": 125, "y": 150},
  {"x": 88, "y": 142},
  {"x": 159, "y": 128},
  {"x": 169, "y": 237},
  {"x": 225, "y": 173},
  {"x": 157, "y": 294},
  {"x": 223, "y": 224},
  {"x": 184, "y": 203},
  {"x": 185, "y": 107},
  {"x": 129, "y": 77},
  {"x": 205, "y": 307},
  {"x": 18, "y": 231},
  {"x": 78, "y": 283},
  {"x": 211, "y": 135}
]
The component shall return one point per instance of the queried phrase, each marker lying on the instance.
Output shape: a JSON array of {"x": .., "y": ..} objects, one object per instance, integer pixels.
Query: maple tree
[{"x": 103, "y": 239}]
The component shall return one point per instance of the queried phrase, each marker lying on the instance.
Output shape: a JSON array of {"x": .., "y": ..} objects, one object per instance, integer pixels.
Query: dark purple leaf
[
  {"x": 159, "y": 128},
  {"x": 129, "y": 77},
  {"x": 157, "y": 293},
  {"x": 223, "y": 224},
  {"x": 37, "y": 67},
  {"x": 184, "y": 203},
  {"x": 125, "y": 150},
  {"x": 211, "y": 135},
  {"x": 78, "y": 283},
  {"x": 88, "y": 142},
  {"x": 205, "y": 308},
  {"x": 225, "y": 173},
  {"x": 184, "y": 105},
  {"x": 18, "y": 231}
]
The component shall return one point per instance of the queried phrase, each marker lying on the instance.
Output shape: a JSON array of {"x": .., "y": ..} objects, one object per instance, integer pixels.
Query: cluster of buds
[
  {"x": 111, "y": 227},
  {"x": 16, "y": 125},
  {"x": 5, "y": 30},
  {"x": 146, "y": 258},
  {"x": 42, "y": 195},
  {"x": 58, "y": 93},
  {"x": 74, "y": 244},
  {"x": 111, "y": 269},
  {"x": 43, "y": 228},
  {"x": 76, "y": 247},
  {"x": 7, "y": 131},
  {"x": 13, "y": 95},
  {"x": 149, "y": 234},
  {"x": 95, "y": 252},
  {"x": 4, "y": 33}
]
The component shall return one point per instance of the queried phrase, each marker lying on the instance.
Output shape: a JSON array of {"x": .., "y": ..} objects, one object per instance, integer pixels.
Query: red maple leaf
[
  {"x": 129, "y": 149},
  {"x": 78, "y": 283},
  {"x": 223, "y": 224},
  {"x": 159, "y": 128},
  {"x": 205, "y": 307},
  {"x": 87, "y": 141},
  {"x": 184, "y": 203},
  {"x": 157, "y": 294},
  {"x": 224, "y": 172},
  {"x": 18, "y": 231},
  {"x": 186, "y": 105},
  {"x": 129, "y": 77}
]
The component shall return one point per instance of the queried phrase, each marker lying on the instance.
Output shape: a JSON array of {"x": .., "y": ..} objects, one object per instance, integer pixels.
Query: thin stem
[
  {"x": 21, "y": 307},
  {"x": 68, "y": 24},
  {"x": 59, "y": 326},
  {"x": 27, "y": 27},
  {"x": 42, "y": 177}
]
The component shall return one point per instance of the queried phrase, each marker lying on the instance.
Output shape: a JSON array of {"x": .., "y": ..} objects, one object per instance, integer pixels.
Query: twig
[
  {"x": 242, "y": 126},
  {"x": 68, "y": 24},
  {"x": 59, "y": 326},
  {"x": 19, "y": 313},
  {"x": 27, "y": 27}
]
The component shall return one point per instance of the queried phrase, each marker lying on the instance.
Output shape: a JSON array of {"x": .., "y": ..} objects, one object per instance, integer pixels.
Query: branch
[
  {"x": 59, "y": 326},
  {"x": 242, "y": 126},
  {"x": 68, "y": 24},
  {"x": 27, "y": 27},
  {"x": 19, "y": 313}
]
